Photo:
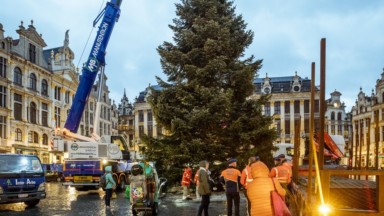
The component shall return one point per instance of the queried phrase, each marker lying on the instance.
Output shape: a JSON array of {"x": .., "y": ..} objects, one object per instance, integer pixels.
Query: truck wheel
[
  {"x": 155, "y": 209},
  {"x": 32, "y": 203},
  {"x": 122, "y": 183}
]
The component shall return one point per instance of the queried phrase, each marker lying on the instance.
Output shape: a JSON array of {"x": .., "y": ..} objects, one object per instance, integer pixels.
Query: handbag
[{"x": 278, "y": 204}]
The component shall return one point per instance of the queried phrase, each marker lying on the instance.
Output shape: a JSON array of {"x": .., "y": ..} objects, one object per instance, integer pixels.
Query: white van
[{"x": 284, "y": 148}]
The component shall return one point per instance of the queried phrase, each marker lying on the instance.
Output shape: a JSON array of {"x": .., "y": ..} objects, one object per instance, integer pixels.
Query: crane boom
[{"x": 95, "y": 60}]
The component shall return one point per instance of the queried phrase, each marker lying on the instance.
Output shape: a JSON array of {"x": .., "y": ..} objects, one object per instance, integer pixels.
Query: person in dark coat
[
  {"x": 231, "y": 178},
  {"x": 203, "y": 188}
]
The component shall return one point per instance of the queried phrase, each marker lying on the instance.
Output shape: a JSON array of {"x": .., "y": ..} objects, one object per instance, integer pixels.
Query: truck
[
  {"x": 21, "y": 179},
  {"x": 86, "y": 157}
]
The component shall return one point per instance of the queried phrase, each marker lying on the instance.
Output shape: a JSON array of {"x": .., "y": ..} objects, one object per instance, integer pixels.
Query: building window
[
  {"x": 149, "y": 115},
  {"x": 141, "y": 131},
  {"x": 57, "y": 93},
  {"x": 45, "y": 139},
  {"x": 287, "y": 129},
  {"x": 19, "y": 135},
  {"x": 33, "y": 137},
  {"x": 277, "y": 107},
  {"x": 67, "y": 97},
  {"x": 17, "y": 107},
  {"x": 44, "y": 87},
  {"x": 32, "y": 53},
  {"x": 150, "y": 130},
  {"x": 287, "y": 107},
  {"x": 297, "y": 107},
  {"x": 3, "y": 127},
  {"x": 332, "y": 116},
  {"x": 32, "y": 113},
  {"x": 32, "y": 82},
  {"x": 141, "y": 116},
  {"x": 17, "y": 76},
  {"x": 3, "y": 96},
  {"x": 44, "y": 114},
  {"x": 339, "y": 129},
  {"x": 339, "y": 116},
  {"x": 267, "y": 109},
  {"x": 306, "y": 106},
  {"x": 3, "y": 67},
  {"x": 57, "y": 116}
]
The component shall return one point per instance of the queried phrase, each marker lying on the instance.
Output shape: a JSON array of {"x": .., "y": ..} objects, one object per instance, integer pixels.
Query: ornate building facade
[
  {"x": 368, "y": 128},
  {"x": 126, "y": 117},
  {"x": 37, "y": 87},
  {"x": 338, "y": 123},
  {"x": 289, "y": 103},
  {"x": 145, "y": 123}
]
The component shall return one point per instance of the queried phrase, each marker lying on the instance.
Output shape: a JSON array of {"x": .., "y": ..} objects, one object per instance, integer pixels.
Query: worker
[
  {"x": 282, "y": 172},
  {"x": 231, "y": 178},
  {"x": 246, "y": 178},
  {"x": 186, "y": 182}
]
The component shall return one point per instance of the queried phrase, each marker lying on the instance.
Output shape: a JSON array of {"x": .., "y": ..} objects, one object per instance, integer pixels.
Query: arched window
[
  {"x": 33, "y": 137},
  {"x": 33, "y": 81},
  {"x": 339, "y": 116},
  {"x": 17, "y": 76},
  {"x": 18, "y": 134},
  {"x": 332, "y": 115},
  {"x": 45, "y": 139},
  {"x": 32, "y": 113},
  {"x": 44, "y": 87}
]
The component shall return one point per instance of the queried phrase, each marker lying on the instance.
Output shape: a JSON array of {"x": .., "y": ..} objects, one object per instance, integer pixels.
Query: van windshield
[{"x": 19, "y": 163}]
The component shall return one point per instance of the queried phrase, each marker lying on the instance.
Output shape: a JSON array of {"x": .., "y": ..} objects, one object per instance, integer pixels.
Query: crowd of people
[{"x": 256, "y": 179}]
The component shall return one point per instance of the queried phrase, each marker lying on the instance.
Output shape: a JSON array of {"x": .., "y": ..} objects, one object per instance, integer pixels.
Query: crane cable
[{"x": 89, "y": 36}]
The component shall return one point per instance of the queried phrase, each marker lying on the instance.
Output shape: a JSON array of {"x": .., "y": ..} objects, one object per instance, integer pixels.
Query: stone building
[
  {"x": 368, "y": 128},
  {"x": 338, "y": 123},
  {"x": 126, "y": 117},
  {"x": 289, "y": 104},
  {"x": 37, "y": 87},
  {"x": 145, "y": 122}
]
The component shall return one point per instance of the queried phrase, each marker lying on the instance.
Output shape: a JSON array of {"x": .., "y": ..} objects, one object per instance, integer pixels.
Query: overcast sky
[{"x": 287, "y": 37}]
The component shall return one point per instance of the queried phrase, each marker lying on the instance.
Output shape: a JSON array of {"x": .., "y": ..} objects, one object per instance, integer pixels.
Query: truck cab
[{"x": 21, "y": 179}]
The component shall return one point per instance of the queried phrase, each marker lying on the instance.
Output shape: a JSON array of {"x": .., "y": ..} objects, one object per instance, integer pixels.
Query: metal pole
[
  {"x": 322, "y": 102},
  {"x": 311, "y": 129}
]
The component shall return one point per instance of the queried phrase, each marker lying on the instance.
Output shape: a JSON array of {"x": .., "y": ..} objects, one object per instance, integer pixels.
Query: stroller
[{"x": 145, "y": 189}]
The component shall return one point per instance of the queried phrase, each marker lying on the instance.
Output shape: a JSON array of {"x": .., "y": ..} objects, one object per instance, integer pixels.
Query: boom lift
[{"x": 87, "y": 156}]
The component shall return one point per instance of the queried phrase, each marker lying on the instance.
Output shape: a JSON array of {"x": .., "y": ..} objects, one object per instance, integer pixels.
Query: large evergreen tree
[{"x": 204, "y": 105}]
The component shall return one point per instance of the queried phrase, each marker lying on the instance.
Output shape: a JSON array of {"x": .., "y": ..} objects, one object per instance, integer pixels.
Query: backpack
[{"x": 103, "y": 181}]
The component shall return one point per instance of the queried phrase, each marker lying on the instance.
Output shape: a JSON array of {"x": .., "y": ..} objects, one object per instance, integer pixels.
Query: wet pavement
[{"x": 67, "y": 201}]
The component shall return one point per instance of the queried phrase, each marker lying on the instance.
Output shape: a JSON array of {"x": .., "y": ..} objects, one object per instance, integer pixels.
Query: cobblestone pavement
[
  {"x": 69, "y": 202},
  {"x": 172, "y": 204}
]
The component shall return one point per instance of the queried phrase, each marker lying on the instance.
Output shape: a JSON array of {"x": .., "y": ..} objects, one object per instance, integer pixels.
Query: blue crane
[{"x": 95, "y": 60}]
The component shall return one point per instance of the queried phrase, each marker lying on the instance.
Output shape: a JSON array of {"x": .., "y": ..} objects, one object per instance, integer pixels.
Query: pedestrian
[
  {"x": 186, "y": 182},
  {"x": 196, "y": 181},
  {"x": 110, "y": 186},
  {"x": 246, "y": 178},
  {"x": 259, "y": 190},
  {"x": 203, "y": 188},
  {"x": 231, "y": 178},
  {"x": 282, "y": 172}
]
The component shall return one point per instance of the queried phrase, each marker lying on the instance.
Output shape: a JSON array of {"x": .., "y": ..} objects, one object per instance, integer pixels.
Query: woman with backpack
[{"x": 110, "y": 185}]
